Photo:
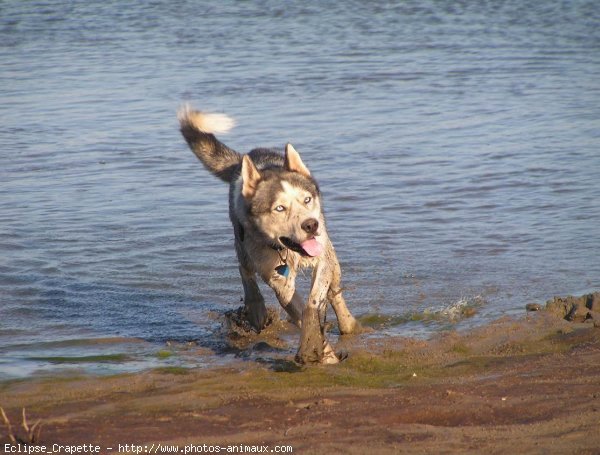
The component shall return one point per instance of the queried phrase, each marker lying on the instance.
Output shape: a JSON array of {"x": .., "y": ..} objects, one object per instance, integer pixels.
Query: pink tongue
[{"x": 312, "y": 247}]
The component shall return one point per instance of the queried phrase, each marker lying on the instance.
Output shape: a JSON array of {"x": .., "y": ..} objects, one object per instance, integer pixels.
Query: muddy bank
[{"x": 528, "y": 385}]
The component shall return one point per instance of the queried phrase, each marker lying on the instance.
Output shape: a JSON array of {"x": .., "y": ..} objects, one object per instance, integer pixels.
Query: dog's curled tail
[{"x": 198, "y": 129}]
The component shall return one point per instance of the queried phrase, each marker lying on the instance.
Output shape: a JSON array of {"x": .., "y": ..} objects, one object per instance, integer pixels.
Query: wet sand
[{"x": 526, "y": 385}]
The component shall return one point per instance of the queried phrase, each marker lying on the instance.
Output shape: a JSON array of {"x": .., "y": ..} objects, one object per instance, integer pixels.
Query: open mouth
[{"x": 308, "y": 248}]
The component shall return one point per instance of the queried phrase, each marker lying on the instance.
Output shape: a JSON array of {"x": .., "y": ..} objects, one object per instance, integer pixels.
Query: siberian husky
[{"x": 279, "y": 227}]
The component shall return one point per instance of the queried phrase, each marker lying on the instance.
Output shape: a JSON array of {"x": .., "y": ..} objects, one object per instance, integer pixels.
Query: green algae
[{"x": 105, "y": 358}]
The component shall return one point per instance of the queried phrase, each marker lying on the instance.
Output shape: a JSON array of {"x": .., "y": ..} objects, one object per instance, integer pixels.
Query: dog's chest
[{"x": 307, "y": 262}]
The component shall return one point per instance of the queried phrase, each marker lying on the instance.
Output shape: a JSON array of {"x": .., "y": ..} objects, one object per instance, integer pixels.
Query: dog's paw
[
  {"x": 242, "y": 322},
  {"x": 330, "y": 359},
  {"x": 329, "y": 356},
  {"x": 306, "y": 357},
  {"x": 326, "y": 356},
  {"x": 258, "y": 320},
  {"x": 354, "y": 328}
]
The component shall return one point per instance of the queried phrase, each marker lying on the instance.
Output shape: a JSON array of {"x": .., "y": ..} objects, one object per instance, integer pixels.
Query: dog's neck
[{"x": 273, "y": 246}]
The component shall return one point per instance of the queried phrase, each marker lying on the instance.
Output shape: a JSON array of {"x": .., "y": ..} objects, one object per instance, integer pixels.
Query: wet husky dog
[{"x": 275, "y": 209}]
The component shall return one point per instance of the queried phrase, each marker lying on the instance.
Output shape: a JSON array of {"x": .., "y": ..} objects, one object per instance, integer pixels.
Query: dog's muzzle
[{"x": 310, "y": 226}]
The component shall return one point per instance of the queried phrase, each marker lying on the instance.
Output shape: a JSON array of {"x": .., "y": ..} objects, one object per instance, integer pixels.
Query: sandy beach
[{"x": 524, "y": 385}]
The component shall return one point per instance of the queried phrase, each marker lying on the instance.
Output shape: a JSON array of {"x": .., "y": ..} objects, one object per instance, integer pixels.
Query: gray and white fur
[{"x": 275, "y": 210}]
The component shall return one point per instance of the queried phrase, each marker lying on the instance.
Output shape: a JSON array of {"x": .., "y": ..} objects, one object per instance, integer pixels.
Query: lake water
[{"x": 457, "y": 145}]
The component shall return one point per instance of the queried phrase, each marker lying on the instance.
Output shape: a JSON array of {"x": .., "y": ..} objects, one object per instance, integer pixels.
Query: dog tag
[{"x": 283, "y": 270}]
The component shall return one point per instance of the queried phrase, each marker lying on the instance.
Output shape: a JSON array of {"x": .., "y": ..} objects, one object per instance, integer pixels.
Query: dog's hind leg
[{"x": 254, "y": 302}]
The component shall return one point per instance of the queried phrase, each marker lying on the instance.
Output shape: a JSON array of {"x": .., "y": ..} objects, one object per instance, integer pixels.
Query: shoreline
[{"x": 527, "y": 384}]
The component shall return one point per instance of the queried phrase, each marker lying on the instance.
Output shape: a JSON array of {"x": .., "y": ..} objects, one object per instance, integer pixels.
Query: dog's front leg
[
  {"x": 285, "y": 290},
  {"x": 346, "y": 322},
  {"x": 313, "y": 346}
]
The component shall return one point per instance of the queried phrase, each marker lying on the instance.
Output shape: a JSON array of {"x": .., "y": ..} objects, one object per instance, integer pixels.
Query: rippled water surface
[{"x": 457, "y": 147}]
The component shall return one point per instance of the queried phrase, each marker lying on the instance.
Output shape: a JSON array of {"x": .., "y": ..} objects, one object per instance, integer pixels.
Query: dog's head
[{"x": 285, "y": 204}]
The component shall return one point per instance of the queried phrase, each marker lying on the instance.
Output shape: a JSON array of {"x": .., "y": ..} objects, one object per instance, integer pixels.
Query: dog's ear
[
  {"x": 250, "y": 177},
  {"x": 293, "y": 163}
]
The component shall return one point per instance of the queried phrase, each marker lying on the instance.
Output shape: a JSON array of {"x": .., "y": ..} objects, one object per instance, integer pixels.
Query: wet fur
[{"x": 260, "y": 181}]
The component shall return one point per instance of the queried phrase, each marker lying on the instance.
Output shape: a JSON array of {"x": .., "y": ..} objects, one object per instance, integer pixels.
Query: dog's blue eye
[
  {"x": 279, "y": 208},
  {"x": 307, "y": 200}
]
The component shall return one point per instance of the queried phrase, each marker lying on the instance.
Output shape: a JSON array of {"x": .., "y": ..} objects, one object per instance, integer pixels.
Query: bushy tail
[{"x": 198, "y": 129}]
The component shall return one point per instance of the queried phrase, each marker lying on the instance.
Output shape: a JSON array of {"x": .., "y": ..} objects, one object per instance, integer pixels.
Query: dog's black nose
[{"x": 310, "y": 226}]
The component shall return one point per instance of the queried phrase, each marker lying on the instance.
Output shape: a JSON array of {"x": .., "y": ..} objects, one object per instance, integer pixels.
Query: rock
[
  {"x": 572, "y": 308},
  {"x": 593, "y": 301},
  {"x": 572, "y": 312},
  {"x": 558, "y": 306},
  {"x": 594, "y": 317},
  {"x": 533, "y": 307}
]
